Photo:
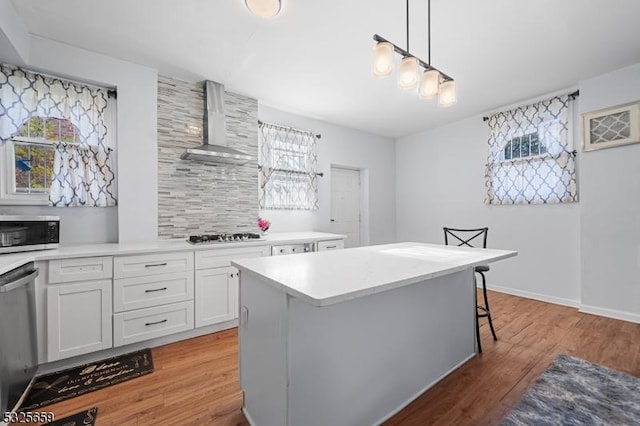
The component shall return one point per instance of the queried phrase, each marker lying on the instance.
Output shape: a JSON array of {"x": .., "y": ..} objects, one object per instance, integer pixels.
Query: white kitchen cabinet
[
  {"x": 153, "y": 296},
  {"x": 141, "y": 265},
  {"x": 216, "y": 284},
  {"x": 152, "y": 290},
  {"x": 80, "y": 269},
  {"x": 144, "y": 324},
  {"x": 78, "y": 318},
  {"x": 221, "y": 257},
  {"x": 216, "y": 295},
  {"x": 330, "y": 245}
]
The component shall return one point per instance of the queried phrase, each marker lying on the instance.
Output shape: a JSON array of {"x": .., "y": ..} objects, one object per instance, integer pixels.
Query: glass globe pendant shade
[
  {"x": 263, "y": 8},
  {"x": 429, "y": 84},
  {"x": 382, "y": 59},
  {"x": 408, "y": 73},
  {"x": 447, "y": 95}
]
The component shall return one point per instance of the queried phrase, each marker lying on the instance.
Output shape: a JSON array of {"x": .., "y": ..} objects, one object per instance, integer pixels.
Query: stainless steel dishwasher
[{"x": 18, "y": 343}]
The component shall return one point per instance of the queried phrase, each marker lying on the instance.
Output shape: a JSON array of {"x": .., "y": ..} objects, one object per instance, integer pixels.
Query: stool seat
[{"x": 467, "y": 237}]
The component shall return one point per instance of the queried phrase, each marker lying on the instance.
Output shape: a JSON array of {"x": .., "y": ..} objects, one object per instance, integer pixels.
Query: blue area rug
[{"x": 573, "y": 391}]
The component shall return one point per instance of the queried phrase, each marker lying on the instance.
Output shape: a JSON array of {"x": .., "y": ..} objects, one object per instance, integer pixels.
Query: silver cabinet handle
[
  {"x": 155, "y": 289},
  {"x": 331, "y": 247},
  {"x": 244, "y": 317},
  {"x": 154, "y": 323},
  {"x": 151, "y": 265}
]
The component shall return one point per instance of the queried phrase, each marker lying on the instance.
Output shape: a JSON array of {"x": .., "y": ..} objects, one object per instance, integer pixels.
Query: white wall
[
  {"x": 347, "y": 147},
  {"x": 135, "y": 218},
  {"x": 610, "y": 222},
  {"x": 14, "y": 38},
  {"x": 584, "y": 254},
  {"x": 440, "y": 182}
]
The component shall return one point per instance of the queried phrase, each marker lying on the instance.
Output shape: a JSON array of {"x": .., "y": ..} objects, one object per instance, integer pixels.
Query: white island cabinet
[{"x": 349, "y": 337}]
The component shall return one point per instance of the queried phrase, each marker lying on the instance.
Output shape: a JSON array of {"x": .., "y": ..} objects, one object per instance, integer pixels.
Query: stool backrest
[{"x": 476, "y": 237}]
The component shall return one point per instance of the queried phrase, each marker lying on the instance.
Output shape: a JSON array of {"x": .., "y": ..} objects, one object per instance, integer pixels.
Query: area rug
[
  {"x": 85, "y": 418},
  {"x": 573, "y": 391},
  {"x": 55, "y": 387}
]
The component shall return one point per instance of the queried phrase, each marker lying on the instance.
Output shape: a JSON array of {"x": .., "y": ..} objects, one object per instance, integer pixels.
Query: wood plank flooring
[{"x": 195, "y": 382}]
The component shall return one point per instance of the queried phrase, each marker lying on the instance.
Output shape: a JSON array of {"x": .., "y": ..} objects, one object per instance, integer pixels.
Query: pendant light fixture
[
  {"x": 433, "y": 82},
  {"x": 382, "y": 60},
  {"x": 263, "y": 8}
]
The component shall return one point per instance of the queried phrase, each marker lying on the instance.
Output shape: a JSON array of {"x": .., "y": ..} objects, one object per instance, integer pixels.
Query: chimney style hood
[{"x": 215, "y": 149}]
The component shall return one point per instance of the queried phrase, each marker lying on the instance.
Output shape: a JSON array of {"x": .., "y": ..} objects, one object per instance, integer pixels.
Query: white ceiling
[{"x": 314, "y": 58}]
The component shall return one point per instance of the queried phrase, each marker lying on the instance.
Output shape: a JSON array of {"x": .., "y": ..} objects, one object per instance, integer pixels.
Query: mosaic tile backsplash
[{"x": 197, "y": 198}]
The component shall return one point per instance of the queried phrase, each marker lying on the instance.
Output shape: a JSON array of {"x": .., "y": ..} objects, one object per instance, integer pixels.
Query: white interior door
[{"x": 345, "y": 204}]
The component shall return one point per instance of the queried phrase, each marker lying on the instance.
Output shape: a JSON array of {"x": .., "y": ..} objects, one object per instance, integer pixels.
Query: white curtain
[
  {"x": 287, "y": 162},
  {"x": 80, "y": 177},
  {"x": 547, "y": 177},
  {"x": 83, "y": 175}
]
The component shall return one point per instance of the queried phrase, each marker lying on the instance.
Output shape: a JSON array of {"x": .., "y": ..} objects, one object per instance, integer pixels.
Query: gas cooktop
[{"x": 223, "y": 238}]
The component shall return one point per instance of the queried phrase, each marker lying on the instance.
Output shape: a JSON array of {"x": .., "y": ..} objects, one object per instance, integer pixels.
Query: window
[
  {"x": 54, "y": 145},
  {"x": 30, "y": 157},
  {"x": 287, "y": 163},
  {"x": 531, "y": 158},
  {"x": 524, "y": 146}
]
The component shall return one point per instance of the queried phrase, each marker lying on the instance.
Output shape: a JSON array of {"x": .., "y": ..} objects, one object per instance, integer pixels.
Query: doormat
[
  {"x": 86, "y": 418},
  {"x": 55, "y": 387},
  {"x": 574, "y": 391}
]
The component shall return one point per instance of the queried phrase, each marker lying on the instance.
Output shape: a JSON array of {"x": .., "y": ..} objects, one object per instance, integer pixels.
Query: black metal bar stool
[{"x": 472, "y": 238}]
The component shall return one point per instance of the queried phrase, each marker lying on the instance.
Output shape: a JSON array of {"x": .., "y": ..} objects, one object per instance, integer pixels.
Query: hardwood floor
[{"x": 195, "y": 382}]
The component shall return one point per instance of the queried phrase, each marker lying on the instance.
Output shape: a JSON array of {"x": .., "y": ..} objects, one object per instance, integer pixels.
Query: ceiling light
[
  {"x": 434, "y": 82},
  {"x": 382, "y": 60},
  {"x": 429, "y": 84},
  {"x": 447, "y": 96},
  {"x": 263, "y": 8},
  {"x": 408, "y": 73}
]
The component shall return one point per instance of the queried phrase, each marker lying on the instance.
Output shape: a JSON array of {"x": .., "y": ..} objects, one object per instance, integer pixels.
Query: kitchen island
[{"x": 350, "y": 337}]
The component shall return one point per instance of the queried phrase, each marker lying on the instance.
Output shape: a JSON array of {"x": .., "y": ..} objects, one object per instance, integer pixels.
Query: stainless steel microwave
[{"x": 26, "y": 233}]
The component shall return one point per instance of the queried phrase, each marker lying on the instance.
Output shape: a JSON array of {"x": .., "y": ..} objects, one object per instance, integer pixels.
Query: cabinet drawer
[
  {"x": 144, "y": 292},
  {"x": 150, "y": 264},
  {"x": 80, "y": 269},
  {"x": 217, "y": 258},
  {"x": 330, "y": 245},
  {"x": 144, "y": 324}
]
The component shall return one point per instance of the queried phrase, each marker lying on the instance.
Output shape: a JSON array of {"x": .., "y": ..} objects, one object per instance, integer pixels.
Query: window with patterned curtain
[
  {"x": 55, "y": 140},
  {"x": 531, "y": 158},
  {"x": 287, "y": 162}
]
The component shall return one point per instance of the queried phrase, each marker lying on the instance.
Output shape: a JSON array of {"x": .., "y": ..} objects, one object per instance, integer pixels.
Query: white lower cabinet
[
  {"x": 216, "y": 295},
  {"x": 78, "y": 318},
  {"x": 153, "y": 296},
  {"x": 144, "y": 324}
]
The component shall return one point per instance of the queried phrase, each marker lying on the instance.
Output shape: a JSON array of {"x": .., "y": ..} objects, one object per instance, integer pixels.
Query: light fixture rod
[
  {"x": 408, "y": 25},
  {"x": 404, "y": 53},
  {"x": 429, "y": 31}
]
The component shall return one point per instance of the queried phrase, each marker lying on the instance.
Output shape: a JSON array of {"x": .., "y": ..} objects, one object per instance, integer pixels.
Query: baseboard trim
[
  {"x": 610, "y": 313},
  {"x": 536, "y": 296}
]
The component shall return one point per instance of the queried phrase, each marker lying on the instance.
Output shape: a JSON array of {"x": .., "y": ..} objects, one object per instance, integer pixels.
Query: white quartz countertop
[
  {"x": 15, "y": 260},
  {"x": 328, "y": 277}
]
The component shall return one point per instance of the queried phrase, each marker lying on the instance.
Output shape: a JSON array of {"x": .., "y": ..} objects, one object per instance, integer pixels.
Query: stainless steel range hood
[{"x": 215, "y": 149}]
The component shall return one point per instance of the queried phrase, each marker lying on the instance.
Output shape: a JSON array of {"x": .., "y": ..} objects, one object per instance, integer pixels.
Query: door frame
[{"x": 363, "y": 199}]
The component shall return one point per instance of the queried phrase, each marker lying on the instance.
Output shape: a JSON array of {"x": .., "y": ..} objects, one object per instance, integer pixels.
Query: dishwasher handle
[{"x": 20, "y": 282}]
